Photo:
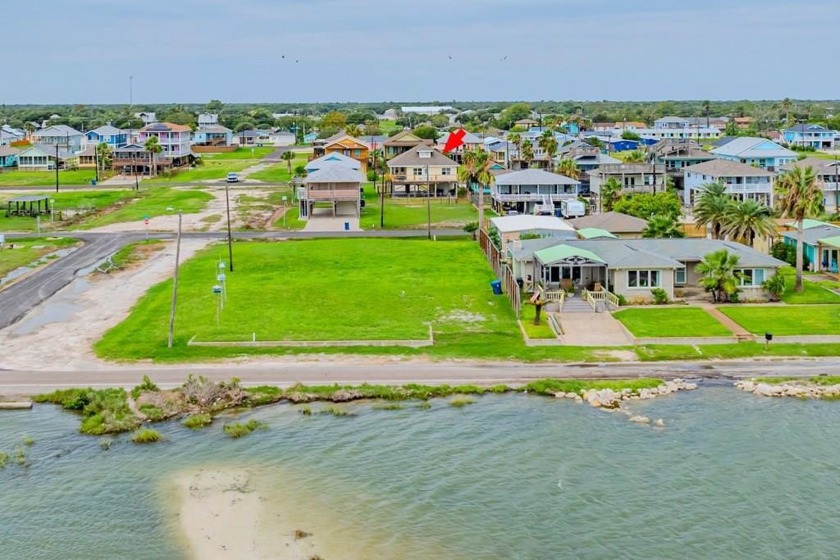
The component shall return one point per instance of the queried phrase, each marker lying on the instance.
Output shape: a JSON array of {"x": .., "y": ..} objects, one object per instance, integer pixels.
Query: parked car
[{"x": 232, "y": 178}]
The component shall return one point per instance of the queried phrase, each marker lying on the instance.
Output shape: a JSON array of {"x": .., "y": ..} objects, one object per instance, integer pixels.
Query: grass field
[
  {"x": 209, "y": 170},
  {"x": 292, "y": 221},
  {"x": 670, "y": 322},
  {"x": 279, "y": 172},
  {"x": 812, "y": 292},
  {"x": 27, "y": 251},
  {"x": 413, "y": 213},
  {"x": 241, "y": 153},
  {"x": 64, "y": 201},
  {"x": 151, "y": 202},
  {"x": 787, "y": 319},
  {"x": 535, "y": 331},
  {"x": 46, "y": 178}
]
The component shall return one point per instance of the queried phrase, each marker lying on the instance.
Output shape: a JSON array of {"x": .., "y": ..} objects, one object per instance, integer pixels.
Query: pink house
[{"x": 175, "y": 139}]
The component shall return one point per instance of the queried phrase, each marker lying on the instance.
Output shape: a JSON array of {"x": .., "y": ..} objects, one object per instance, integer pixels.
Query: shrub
[
  {"x": 145, "y": 386},
  {"x": 152, "y": 412},
  {"x": 471, "y": 228},
  {"x": 197, "y": 421},
  {"x": 4, "y": 458},
  {"x": 462, "y": 401},
  {"x": 775, "y": 286},
  {"x": 28, "y": 440},
  {"x": 238, "y": 429},
  {"x": 146, "y": 435},
  {"x": 622, "y": 301},
  {"x": 660, "y": 296}
]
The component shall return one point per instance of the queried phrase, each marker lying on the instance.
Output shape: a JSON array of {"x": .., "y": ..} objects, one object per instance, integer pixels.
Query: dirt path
[{"x": 62, "y": 330}]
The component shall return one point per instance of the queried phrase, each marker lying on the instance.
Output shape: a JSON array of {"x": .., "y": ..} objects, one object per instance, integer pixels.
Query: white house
[
  {"x": 66, "y": 137},
  {"x": 828, "y": 173},
  {"x": 759, "y": 152},
  {"x": 531, "y": 190},
  {"x": 743, "y": 182},
  {"x": 208, "y": 119}
]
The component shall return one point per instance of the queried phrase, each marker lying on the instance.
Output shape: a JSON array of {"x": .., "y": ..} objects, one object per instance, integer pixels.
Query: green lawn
[
  {"x": 741, "y": 350},
  {"x": 292, "y": 221},
  {"x": 241, "y": 153},
  {"x": 535, "y": 331},
  {"x": 670, "y": 322},
  {"x": 65, "y": 201},
  {"x": 152, "y": 202},
  {"x": 812, "y": 292},
  {"x": 387, "y": 126},
  {"x": 209, "y": 170},
  {"x": 16, "y": 253},
  {"x": 786, "y": 319},
  {"x": 46, "y": 178},
  {"x": 279, "y": 172},
  {"x": 414, "y": 213}
]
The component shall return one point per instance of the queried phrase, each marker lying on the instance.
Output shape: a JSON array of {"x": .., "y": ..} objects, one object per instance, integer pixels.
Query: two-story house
[
  {"x": 213, "y": 135},
  {"x": 175, "y": 141},
  {"x": 676, "y": 155},
  {"x": 107, "y": 134},
  {"x": 531, "y": 190},
  {"x": 633, "y": 177},
  {"x": 743, "y": 182},
  {"x": 344, "y": 144},
  {"x": 207, "y": 119},
  {"x": 402, "y": 142},
  {"x": 470, "y": 141},
  {"x": 759, "y": 152},
  {"x": 67, "y": 138},
  {"x": 334, "y": 185},
  {"x": 810, "y": 136},
  {"x": 678, "y": 127},
  {"x": 423, "y": 170},
  {"x": 828, "y": 174}
]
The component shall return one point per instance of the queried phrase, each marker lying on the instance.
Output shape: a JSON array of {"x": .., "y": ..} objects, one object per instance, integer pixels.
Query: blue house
[
  {"x": 213, "y": 135},
  {"x": 8, "y": 157},
  {"x": 820, "y": 244},
  {"x": 758, "y": 152},
  {"x": 621, "y": 145},
  {"x": 811, "y": 136},
  {"x": 107, "y": 134}
]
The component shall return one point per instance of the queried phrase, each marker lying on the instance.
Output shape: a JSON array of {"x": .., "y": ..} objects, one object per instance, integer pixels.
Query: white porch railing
[
  {"x": 532, "y": 197},
  {"x": 554, "y": 297},
  {"x": 594, "y": 298}
]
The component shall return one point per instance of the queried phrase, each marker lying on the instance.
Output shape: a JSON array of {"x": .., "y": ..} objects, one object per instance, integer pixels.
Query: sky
[{"x": 191, "y": 51}]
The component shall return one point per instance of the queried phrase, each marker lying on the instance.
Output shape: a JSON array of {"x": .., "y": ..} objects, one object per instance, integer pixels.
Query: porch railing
[
  {"x": 558, "y": 296},
  {"x": 601, "y": 296}
]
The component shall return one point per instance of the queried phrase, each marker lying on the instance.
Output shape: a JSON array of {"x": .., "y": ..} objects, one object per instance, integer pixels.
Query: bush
[
  {"x": 622, "y": 301},
  {"x": 775, "y": 286},
  {"x": 784, "y": 252},
  {"x": 462, "y": 401},
  {"x": 197, "y": 421},
  {"x": 145, "y": 386},
  {"x": 660, "y": 296},
  {"x": 146, "y": 435},
  {"x": 238, "y": 430}
]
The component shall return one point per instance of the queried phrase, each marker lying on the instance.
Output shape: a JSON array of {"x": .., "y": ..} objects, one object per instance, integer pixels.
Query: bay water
[{"x": 731, "y": 475}]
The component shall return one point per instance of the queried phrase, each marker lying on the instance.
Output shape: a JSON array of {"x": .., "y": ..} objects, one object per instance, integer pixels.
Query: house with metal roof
[
  {"x": 820, "y": 244},
  {"x": 42, "y": 157},
  {"x": 423, "y": 171},
  {"x": 531, "y": 191},
  {"x": 332, "y": 185},
  {"x": 676, "y": 155},
  {"x": 759, "y": 152},
  {"x": 66, "y": 137},
  {"x": 828, "y": 173},
  {"x": 743, "y": 182},
  {"x": 213, "y": 135},
  {"x": 810, "y": 136},
  {"x": 512, "y": 228},
  {"x": 330, "y": 159},
  {"x": 107, "y": 134},
  {"x": 344, "y": 144},
  {"x": 633, "y": 267}
]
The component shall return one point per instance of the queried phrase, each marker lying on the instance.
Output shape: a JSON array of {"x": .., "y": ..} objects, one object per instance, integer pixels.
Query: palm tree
[
  {"x": 636, "y": 156},
  {"x": 610, "y": 193},
  {"x": 568, "y": 168},
  {"x": 475, "y": 169},
  {"x": 717, "y": 274},
  {"x": 153, "y": 146},
  {"x": 288, "y": 156},
  {"x": 747, "y": 220},
  {"x": 662, "y": 227},
  {"x": 799, "y": 195},
  {"x": 526, "y": 152},
  {"x": 712, "y": 208},
  {"x": 103, "y": 158},
  {"x": 515, "y": 139},
  {"x": 353, "y": 130},
  {"x": 548, "y": 142}
]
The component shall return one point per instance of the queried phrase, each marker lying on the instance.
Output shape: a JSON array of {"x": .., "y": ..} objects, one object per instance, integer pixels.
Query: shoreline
[{"x": 222, "y": 515}]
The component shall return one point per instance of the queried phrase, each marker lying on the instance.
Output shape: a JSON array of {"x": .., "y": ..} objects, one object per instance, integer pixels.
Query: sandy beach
[{"x": 222, "y": 516}]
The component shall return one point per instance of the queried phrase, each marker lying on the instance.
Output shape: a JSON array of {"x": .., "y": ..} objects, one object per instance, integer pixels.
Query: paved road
[
  {"x": 31, "y": 382},
  {"x": 20, "y": 297}
]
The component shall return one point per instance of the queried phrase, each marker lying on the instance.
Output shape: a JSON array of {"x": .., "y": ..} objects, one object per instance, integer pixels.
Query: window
[
  {"x": 417, "y": 171},
  {"x": 750, "y": 277},
  {"x": 446, "y": 171},
  {"x": 643, "y": 279},
  {"x": 679, "y": 276}
]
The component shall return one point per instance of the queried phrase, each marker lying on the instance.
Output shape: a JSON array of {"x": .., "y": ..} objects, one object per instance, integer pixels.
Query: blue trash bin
[
  {"x": 93, "y": 182},
  {"x": 346, "y": 226},
  {"x": 497, "y": 287}
]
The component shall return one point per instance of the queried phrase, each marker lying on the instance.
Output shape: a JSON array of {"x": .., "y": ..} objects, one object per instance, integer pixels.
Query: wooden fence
[{"x": 502, "y": 271}]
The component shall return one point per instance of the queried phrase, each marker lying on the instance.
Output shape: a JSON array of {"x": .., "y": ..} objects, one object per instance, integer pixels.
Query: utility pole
[
  {"x": 230, "y": 238},
  {"x": 428, "y": 203},
  {"x": 56, "y": 167},
  {"x": 382, "y": 205},
  {"x": 175, "y": 284}
]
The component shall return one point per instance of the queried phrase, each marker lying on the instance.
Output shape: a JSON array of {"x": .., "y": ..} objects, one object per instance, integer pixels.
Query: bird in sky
[
  {"x": 296, "y": 61},
  {"x": 450, "y": 57},
  {"x": 282, "y": 56},
  {"x": 504, "y": 58}
]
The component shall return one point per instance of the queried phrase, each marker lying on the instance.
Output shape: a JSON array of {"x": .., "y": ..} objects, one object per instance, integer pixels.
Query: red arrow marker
[{"x": 455, "y": 140}]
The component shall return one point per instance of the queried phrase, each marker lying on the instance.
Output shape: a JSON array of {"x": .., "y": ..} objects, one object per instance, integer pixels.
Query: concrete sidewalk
[{"x": 592, "y": 329}]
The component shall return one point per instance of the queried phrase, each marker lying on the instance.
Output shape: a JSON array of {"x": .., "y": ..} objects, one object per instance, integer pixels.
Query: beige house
[
  {"x": 402, "y": 142},
  {"x": 633, "y": 177},
  {"x": 423, "y": 171},
  {"x": 632, "y": 268},
  {"x": 621, "y": 225}
]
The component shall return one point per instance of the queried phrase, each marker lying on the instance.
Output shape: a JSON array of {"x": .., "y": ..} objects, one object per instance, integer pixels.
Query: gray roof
[
  {"x": 412, "y": 157},
  {"x": 613, "y": 222},
  {"x": 333, "y": 158},
  {"x": 820, "y": 165},
  {"x": 57, "y": 130},
  {"x": 334, "y": 173},
  {"x": 534, "y": 177},
  {"x": 49, "y": 150},
  {"x": 214, "y": 128},
  {"x": 8, "y": 151},
  {"x": 727, "y": 168},
  {"x": 654, "y": 253},
  {"x": 107, "y": 130},
  {"x": 805, "y": 127},
  {"x": 745, "y": 147},
  {"x": 811, "y": 235}
]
